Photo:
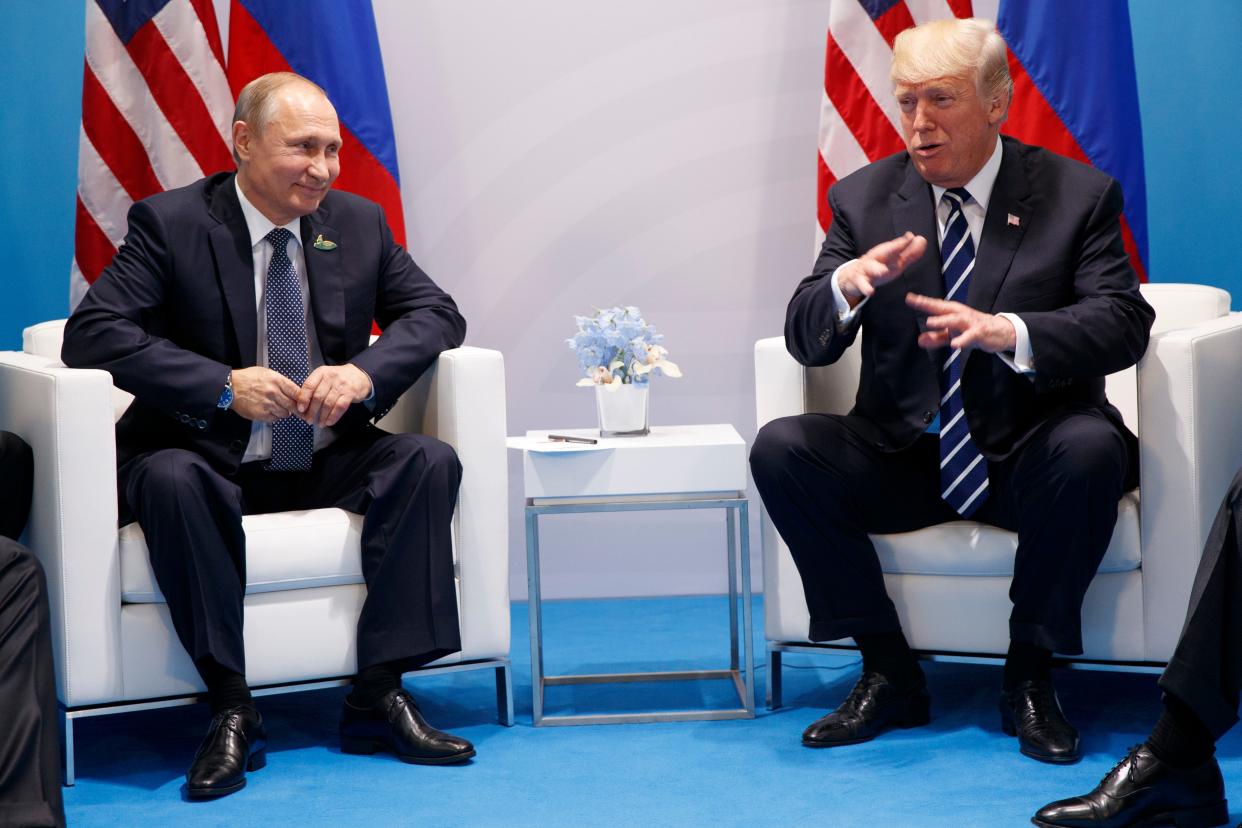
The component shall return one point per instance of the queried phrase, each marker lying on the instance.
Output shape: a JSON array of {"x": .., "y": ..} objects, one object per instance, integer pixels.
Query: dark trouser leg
[
  {"x": 1059, "y": 492},
  {"x": 825, "y": 489},
  {"x": 1205, "y": 671},
  {"x": 29, "y": 742},
  {"x": 191, "y": 516},
  {"x": 16, "y": 484},
  {"x": 405, "y": 487}
]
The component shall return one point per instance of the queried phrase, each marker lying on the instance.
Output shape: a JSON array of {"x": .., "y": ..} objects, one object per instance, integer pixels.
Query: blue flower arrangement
[{"x": 617, "y": 347}]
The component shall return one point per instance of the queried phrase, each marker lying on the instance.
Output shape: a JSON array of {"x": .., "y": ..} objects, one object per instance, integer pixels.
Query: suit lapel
[
  {"x": 326, "y": 283},
  {"x": 230, "y": 244},
  {"x": 913, "y": 210},
  {"x": 1009, "y": 214}
]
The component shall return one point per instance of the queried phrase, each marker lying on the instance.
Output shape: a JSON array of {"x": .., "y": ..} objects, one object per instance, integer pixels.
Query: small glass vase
[{"x": 622, "y": 411}]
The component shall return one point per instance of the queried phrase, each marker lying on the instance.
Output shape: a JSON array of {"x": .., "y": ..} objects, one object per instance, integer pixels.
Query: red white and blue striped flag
[
  {"x": 156, "y": 114},
  {"x": 157, "y": 102},
  {"x": 1075, "y": 92}
]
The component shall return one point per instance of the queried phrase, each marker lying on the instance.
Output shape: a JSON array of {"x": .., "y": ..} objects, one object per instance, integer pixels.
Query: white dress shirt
[
  {"x": 975, "y": 210},
  {"x": 259, "y": 225}
]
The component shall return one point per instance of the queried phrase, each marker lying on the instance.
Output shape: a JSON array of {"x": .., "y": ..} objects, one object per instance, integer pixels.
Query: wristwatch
[{"x": 226, "y": 396}]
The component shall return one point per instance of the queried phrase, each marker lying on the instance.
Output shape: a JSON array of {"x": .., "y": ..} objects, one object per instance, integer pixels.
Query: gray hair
[{"x": 258, "y": 98}]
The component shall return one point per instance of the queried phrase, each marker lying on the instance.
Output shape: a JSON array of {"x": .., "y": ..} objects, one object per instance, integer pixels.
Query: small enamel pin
[
  {"x": 323, "y": 244},
  {"x": 1013, "y": 221}
]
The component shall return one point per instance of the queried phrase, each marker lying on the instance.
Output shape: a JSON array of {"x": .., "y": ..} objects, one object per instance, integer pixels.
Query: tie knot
[
  {"x": 957, "y": 196},
  {"x": 279, "y": 237}
]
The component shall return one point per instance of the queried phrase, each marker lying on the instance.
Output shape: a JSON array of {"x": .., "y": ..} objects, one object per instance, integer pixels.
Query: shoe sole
[
  {"x": 1209, "y": 816},
  {"x": 368, "y": 747},
  {"x": 256, "y": 762},
  {"x": 912, "y": 719}
]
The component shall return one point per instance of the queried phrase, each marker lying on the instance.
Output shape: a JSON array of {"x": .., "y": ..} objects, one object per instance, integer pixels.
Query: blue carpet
[{"x": 961, "y": 770}]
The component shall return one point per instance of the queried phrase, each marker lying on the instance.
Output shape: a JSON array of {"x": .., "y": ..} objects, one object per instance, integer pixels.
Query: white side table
[{"x": 673, "y": 467}]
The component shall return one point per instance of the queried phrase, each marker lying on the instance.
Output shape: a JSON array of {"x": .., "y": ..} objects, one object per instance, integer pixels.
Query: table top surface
[{"x": 715, "y": 434}]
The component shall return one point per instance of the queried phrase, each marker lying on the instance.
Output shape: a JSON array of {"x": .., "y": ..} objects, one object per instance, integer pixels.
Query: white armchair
[
  {"x": 950, "y": 582},
  {"x": 114, "y": 644}
]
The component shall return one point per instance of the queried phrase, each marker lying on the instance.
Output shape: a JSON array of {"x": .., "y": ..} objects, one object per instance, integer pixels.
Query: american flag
[
  {"x": 859, "y": 121},
  {"x": 156, "y": 114}
]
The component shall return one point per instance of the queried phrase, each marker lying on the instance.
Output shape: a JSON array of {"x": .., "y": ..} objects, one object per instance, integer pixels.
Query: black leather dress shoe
[
  {"x": 235, "y": 743},
  {"x": 395, "y": 723},
  {"x": 874, "y": 705},
  {"x": 1142, "y": 790},
  {"x": 1031, "y": 712}
]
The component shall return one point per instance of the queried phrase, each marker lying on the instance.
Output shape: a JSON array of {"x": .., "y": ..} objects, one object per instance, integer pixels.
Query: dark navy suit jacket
[
  {"x": 1059, "y": 264},
  {"x": 175, "y": 311}
]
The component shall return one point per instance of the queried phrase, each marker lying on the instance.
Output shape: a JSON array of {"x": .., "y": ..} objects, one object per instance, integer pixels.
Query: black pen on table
[{"x": 569, "y": 438}]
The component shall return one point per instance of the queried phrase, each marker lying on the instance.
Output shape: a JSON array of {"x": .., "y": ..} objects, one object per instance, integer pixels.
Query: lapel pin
[
  {"x": 321, "y": 243},
  {"x": 1013, "y": 221}
]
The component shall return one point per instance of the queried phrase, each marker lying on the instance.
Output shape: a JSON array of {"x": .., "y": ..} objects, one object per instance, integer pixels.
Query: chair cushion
[
  {"x": 968, "y": 548},
  {"x": 284, "y": 550}
]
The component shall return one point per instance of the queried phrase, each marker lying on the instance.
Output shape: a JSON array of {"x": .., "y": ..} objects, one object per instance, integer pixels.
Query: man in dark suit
[
  {"x": 1173, "y": 777},
  {"x": 981, "y": 392},
  {"x": 238, "y": 312},
  {"x": 30, "y": 742}
]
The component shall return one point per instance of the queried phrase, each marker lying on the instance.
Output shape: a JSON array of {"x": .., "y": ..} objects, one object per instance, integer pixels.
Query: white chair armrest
[
  {"x": 1190, "y": 396},
  {"x": 780, "y": 382},
  {"x": 66, "y": 416},
  {"x": 461, "y": 401}
]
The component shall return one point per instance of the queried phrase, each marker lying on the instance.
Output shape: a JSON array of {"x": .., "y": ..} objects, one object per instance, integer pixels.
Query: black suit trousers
[
  {"x": 826, "y": 488},
  {"x": 1205, "y": 671},
  {"x": 405, "y": 487},
  {"x": 30, "y": 740}
]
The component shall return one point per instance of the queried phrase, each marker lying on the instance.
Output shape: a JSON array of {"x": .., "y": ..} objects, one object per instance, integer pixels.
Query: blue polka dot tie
[
  {"x": 963, "y": 471},
  {"x": 293, "y": 440}
]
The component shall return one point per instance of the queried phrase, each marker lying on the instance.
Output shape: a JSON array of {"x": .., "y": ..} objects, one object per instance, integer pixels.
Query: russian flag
[
  {"x": 334, "y": 43},
  {"x": 1075, "y": 93}
]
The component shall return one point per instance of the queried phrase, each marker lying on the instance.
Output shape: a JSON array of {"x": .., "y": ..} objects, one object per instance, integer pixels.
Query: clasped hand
[
  {"x": 954, "y": 324},
  {"x": 263, "y": 394}
]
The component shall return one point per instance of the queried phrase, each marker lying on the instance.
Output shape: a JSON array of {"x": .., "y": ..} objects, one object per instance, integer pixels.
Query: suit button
[
  {"x": 185, "y": 418},
  {"x": 202, "y": 424},
  {"x": 236, "y": 446},
  {"x": 927, "y": 417}
]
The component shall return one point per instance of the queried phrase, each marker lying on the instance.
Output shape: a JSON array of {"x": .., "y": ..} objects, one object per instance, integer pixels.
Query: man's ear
[{"x": 242, "y": 136}]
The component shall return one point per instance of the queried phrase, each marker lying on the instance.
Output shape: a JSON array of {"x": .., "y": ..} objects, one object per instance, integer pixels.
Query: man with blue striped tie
[{"x": 982, "y": 384}]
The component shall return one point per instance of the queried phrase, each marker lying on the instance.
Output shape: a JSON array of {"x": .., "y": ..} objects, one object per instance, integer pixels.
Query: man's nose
[
  {"x": 922, "y": 117},
  {"x": 319, "y": 166}
]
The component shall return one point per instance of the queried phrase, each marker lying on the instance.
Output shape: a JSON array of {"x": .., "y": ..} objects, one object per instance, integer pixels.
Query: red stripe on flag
[
  {"x": 179, "y": 99},
  {"x": 858, "y": 109},
  {"x": 894, "y": 21},
  {"x": 115, "y": 140},
  {"x": 91, "y": 247},
  {"x": 207, "y": 16},
  {"x": 1032, "y": 120},
  {"x": 363, "y": 174},
  {"x": 961, "y": 8},
  {"x": 824, "y": 180},
  {"x": 251, "y": 53}
]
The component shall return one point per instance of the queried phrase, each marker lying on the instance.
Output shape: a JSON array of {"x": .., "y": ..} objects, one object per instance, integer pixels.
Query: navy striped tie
[
  {"x": 293, "y": 440},
  {"x": 963, "y": 471}
]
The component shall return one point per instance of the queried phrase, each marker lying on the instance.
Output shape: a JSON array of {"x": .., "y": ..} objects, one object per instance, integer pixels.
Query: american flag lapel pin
[{"x": 1013, "y": 221}]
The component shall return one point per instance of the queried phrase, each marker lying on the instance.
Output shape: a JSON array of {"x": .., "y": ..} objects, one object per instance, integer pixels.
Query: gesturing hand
[
  {"x": 263, "y": 394},
  {"x": 961, "y": 326},
  {"x": 329, "y": 392},
  {"x": 878, "y": 266}
]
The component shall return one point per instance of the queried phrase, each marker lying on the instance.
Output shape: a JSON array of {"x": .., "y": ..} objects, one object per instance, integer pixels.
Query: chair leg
[
  {"x": 66, "y": 747},
  {"x": 774, "y": 679},
  {"x": 504, "y": 694}
]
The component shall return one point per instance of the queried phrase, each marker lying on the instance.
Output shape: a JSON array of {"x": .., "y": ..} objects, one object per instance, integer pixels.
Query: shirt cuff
[
  {"x": 845, "y": 314},
  {"x": 1022, "y": 360},
  {"x": 369, "y": 402}
]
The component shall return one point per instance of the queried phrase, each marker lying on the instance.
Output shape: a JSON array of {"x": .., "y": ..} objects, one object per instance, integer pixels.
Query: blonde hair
[
  {"x": 954, "y": 48},
  {"x": 258, "y": 98}
]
